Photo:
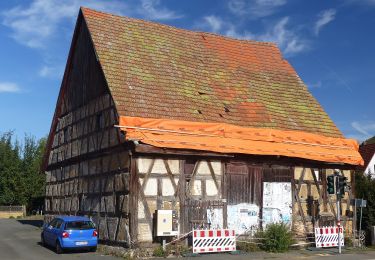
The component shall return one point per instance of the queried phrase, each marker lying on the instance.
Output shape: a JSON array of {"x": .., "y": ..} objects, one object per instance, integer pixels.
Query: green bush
[
  {"x": 11, "y": 217},
  {"x": 276, "y": 238}
]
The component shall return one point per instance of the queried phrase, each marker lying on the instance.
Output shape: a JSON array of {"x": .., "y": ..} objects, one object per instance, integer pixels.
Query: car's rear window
[{"x": 79, "y": 225}]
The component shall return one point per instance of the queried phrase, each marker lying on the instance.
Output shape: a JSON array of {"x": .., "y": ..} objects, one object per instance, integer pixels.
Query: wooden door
[
  {"x": 203, "y": 204},
  {"x": 244, "y": 195}
]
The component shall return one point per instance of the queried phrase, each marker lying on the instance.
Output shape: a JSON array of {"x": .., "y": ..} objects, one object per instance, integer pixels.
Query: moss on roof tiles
[{"x": 170, "y": 69}]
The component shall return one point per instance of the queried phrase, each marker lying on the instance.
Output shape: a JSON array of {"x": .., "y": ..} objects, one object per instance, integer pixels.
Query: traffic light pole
[
  {"x": 338, "y": 204},
  {"x": 338, "y": 222},
  {"x": 336, "y": 184}
]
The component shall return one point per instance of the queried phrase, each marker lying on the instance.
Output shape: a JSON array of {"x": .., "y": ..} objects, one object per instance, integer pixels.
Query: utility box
[{"x": 166, "y": 223}]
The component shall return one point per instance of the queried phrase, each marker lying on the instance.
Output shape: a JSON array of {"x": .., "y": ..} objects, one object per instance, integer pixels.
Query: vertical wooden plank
[
  {"x": 324, "y": 189},
  {"x": 293, "y": 184},
  {"x": 352, "y": 196},
  {"x": 203, "y": 188},
  {"x": 159, "y": 200},
  {"x": 182, "y": 196},
  {"x": 133, "y": 193},
  {"x": 224, "y": 194},
  {"x": 297, "y": 188}
]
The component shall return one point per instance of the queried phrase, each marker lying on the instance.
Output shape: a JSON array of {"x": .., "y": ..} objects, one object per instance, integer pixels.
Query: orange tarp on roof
[{"x": 226, "y": 138}]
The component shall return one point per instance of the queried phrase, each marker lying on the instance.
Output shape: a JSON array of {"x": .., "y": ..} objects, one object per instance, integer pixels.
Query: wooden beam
[
  {"x": 134, "y": 190},
  {"x": 148, "y": 149},
  {"x": 276, "y": 160},
  {"x": 212, "y": 172}
]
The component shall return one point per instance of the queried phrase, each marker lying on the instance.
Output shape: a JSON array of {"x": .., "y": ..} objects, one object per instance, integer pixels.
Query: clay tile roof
[
  {"x": 367, "y": 151},
  {"x": 159, "y": 71}
]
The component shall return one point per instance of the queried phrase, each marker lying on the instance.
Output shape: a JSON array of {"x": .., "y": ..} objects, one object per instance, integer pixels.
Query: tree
[
  {"x": 33, "y": 178},
  {"x": 21, "y": 180},
  {"x": 365, "y": 189},
  {"x": 10, "y": 162}
]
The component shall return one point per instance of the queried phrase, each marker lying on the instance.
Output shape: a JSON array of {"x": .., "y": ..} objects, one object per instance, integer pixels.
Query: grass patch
[
  {"x": 160, "y": 252},
  {"x": 247, "y": 246}
]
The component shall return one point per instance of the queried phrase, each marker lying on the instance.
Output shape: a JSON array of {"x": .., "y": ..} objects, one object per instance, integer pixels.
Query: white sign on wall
[
  {"x": 243, "y": 218},
  {"x": 277, "y": 202}
]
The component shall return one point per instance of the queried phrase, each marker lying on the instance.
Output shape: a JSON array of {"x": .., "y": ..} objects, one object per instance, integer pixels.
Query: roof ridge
[{"x": 183, "y": 29}]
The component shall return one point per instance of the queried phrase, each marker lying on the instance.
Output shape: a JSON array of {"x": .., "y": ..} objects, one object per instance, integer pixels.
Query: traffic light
[
  {"x": 331, "y": 184},
  {"x": 341, "y": 185}
]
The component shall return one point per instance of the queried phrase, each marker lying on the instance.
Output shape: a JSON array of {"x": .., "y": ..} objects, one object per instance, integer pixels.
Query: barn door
[
  {"x": 203, "y": 205},
  {"x": 244, "y": 194}
]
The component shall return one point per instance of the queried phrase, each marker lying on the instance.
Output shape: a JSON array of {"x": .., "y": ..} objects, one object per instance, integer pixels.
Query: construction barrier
[
  {"x": 328, "y": 236},
  {"x": 218, "y": 240}
]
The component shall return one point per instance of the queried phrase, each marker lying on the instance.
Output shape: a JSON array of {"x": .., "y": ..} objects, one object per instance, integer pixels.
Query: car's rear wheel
[
  {"x": 93, "y": 249},
  {"x": 43, "y": 241},
  {"x": 58, "y": 248}
]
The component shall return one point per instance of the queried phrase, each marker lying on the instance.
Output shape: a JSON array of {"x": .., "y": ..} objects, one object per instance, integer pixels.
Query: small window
[
  {"x": 53, "y": 223},
  {"x": 79, "y": 225},
  {"x": 58, "y": 224},
  {"x": 99, "y": 121},
  {"x": 66, "y": 133}
]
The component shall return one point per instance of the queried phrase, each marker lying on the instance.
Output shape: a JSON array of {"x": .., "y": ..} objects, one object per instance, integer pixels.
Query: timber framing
[{"x": 93, "y": 169}]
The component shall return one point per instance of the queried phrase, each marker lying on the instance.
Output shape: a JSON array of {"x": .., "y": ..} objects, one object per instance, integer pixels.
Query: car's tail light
[
  {"x": 95, "y": 233},
  {"x": 65, "y": 234}
]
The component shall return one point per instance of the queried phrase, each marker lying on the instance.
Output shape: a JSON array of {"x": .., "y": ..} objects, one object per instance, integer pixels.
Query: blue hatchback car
[{"x": 70, "y": 232}]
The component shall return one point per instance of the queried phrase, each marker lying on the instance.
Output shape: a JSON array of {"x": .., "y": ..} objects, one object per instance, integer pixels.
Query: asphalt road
[
  {"x": 303, "y": 254},
  {"x": 291, "y": 255},
  {"x": 20, "y": 240}
]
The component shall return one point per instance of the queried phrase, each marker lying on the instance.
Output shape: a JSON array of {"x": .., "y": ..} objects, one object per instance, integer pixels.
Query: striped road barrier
[
  {"x": 214, "y": 240},
  {"x": 328, "y": 236}
]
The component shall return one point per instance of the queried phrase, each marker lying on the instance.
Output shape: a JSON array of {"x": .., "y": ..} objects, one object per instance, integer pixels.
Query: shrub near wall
[{"x": 276, "y": 238}]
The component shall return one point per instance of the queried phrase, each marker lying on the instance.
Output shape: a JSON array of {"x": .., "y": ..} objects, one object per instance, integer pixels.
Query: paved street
[
  {"x": 369, "y": 255},
  {"x": 19, "y": 240}
]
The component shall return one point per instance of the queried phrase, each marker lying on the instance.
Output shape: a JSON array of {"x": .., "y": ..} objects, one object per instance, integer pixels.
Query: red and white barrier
[
  {"x": 209, "y": 241},
  {"x": 328, "y": 236}
]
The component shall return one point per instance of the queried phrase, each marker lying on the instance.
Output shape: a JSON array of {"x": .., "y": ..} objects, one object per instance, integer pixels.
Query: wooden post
[{"x": 133, "y": 188}]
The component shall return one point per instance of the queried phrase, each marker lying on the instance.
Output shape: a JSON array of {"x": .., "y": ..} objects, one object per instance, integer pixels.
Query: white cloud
[
  {"x": 9, "y": 87},
  {"x": 365, "y": 128},
  {"x": 42, "y": 24},
  {"x": 315, "y": 85},
  {"x": 151, "y": 10},
  {"x": 212, "y": 23},
  {"x": 50, "y": 71},
  {"x": 287, "y": 39},
  {"x": 255, "y": 8},
  {"x": 34, "y": 25},
  {"x": 324, "y": 18}
]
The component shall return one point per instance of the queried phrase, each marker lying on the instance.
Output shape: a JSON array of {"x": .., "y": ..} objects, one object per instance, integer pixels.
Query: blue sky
[{"x": 329, "y": 43}]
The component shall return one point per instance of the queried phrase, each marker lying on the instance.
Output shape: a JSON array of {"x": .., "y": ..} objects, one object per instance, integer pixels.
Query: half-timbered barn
[{"x": 221, "y": 130}]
